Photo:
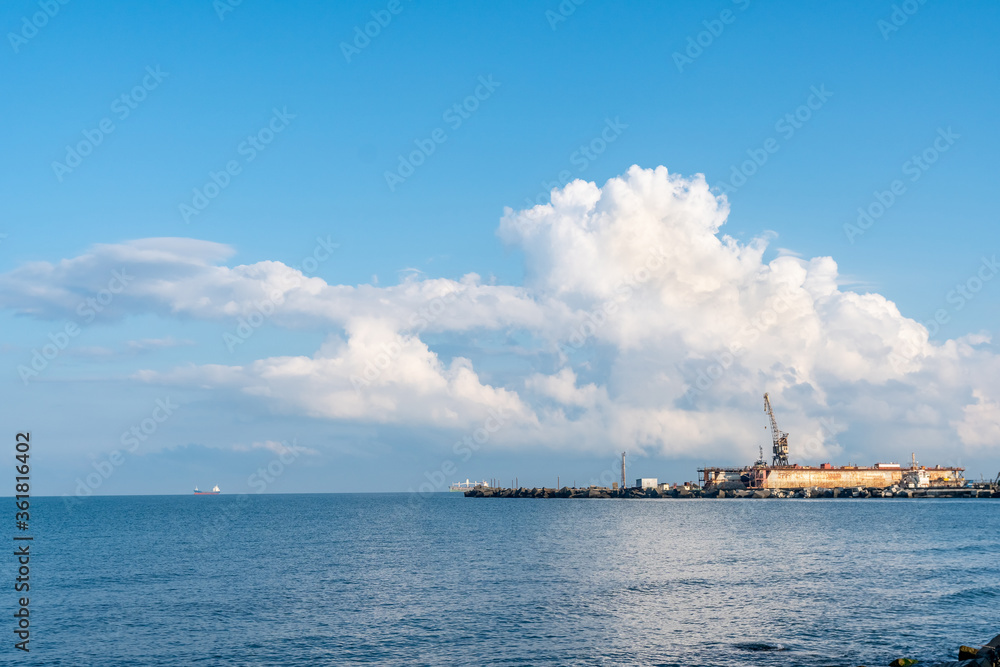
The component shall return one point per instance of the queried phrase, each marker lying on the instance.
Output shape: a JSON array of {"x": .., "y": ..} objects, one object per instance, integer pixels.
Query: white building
[{"x": 646, "y": 482}]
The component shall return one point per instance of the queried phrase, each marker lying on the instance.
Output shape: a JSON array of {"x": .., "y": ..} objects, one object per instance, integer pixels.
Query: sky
[{"x": 386, "y": 246}]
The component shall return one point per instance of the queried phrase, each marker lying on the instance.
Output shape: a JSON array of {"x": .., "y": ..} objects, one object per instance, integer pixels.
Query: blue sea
[{"x": 399, "y": 579}]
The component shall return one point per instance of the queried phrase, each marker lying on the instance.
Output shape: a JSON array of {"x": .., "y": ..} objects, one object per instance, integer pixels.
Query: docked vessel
[
  {"x": 468, "y": 486},
  {"x": 214, "y": 492},
  {"x": 781, "y": 474}
]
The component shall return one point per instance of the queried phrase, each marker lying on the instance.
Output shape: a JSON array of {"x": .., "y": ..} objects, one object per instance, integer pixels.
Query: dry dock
[
  {"x": 830, "y": 477},
  {"x": 696, "y": 492}
]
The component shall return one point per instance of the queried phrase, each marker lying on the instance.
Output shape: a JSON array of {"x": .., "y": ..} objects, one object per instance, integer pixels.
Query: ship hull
[{"x": 800, "y": 477}]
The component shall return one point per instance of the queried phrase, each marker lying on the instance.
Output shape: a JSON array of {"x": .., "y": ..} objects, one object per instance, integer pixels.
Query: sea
[{"x": 405, "y": 579}]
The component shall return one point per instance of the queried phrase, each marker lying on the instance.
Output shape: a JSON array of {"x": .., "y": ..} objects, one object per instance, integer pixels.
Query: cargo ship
[
  {"x": 780, "y": 474},
  {"x": 214, "y": 492}
]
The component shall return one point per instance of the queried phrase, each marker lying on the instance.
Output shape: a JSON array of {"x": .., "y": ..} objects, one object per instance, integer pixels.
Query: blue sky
[{"x": 559, "y": 76}]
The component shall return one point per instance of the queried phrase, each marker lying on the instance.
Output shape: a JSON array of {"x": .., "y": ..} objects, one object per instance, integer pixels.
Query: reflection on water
[{"x": 390, "y": 579}]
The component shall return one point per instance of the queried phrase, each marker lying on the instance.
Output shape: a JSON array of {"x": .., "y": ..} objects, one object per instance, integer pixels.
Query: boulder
[
  {"x": 732, "y": 486},
  {"x": 902, "y": 662},
  {"x": 762, "y": 493},
  {"x": 967, "y": 653}
]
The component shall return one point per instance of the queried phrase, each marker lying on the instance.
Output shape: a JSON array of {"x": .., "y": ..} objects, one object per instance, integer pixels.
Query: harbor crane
[{"x": 778, "y": 437}]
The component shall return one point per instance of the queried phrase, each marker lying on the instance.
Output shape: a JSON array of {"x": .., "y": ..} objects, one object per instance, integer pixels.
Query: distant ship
[
  {"x": 468, "y": 486},
  {"x": 214, "y": 492}
]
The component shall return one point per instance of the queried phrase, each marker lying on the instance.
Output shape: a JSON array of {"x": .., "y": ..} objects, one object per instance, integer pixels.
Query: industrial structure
[
  {"x": 624, "y": 485},
  {"x": 783, "y": 475},
  {"x": 778, "y": 437}
]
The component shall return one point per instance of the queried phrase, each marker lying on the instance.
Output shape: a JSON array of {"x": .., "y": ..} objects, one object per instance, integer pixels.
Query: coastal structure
[
  {"x": 777, "y": 479},
  {"x": 827, "y": 476},
  {"x": 780, "y": 474},
  {"x": 467, "y": 485}
]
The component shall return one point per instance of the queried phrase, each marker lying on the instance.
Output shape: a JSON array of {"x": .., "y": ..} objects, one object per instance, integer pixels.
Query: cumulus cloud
[{"x": 647, "y": 327}]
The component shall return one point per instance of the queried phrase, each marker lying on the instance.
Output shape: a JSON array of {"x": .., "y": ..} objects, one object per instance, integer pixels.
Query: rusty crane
[{"x": 778, "y": 437}]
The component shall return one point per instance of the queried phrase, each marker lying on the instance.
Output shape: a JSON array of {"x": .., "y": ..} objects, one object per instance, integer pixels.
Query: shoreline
[{"x": 635, "y": 493}]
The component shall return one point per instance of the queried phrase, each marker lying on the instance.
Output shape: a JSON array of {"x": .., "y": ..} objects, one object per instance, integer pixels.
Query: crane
[{"x": 778, "y": 437}]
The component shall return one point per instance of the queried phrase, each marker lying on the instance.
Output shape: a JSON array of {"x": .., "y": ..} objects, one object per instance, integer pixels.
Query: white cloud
[
  {"x": 147, "y": 344},
  {"x": 275, "y": 446},
  {"x": 657, "y": 332}
]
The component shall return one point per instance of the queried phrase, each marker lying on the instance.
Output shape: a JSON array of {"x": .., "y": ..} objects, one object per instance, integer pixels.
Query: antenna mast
[{"x": 623, "y": 471}]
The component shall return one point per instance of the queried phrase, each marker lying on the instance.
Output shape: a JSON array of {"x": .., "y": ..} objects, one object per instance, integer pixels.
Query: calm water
[{"x": 385, "y": 579}]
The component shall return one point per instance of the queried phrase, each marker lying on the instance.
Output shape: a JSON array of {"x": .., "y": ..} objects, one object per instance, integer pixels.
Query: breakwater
[{"x": 598, "y": 492}]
